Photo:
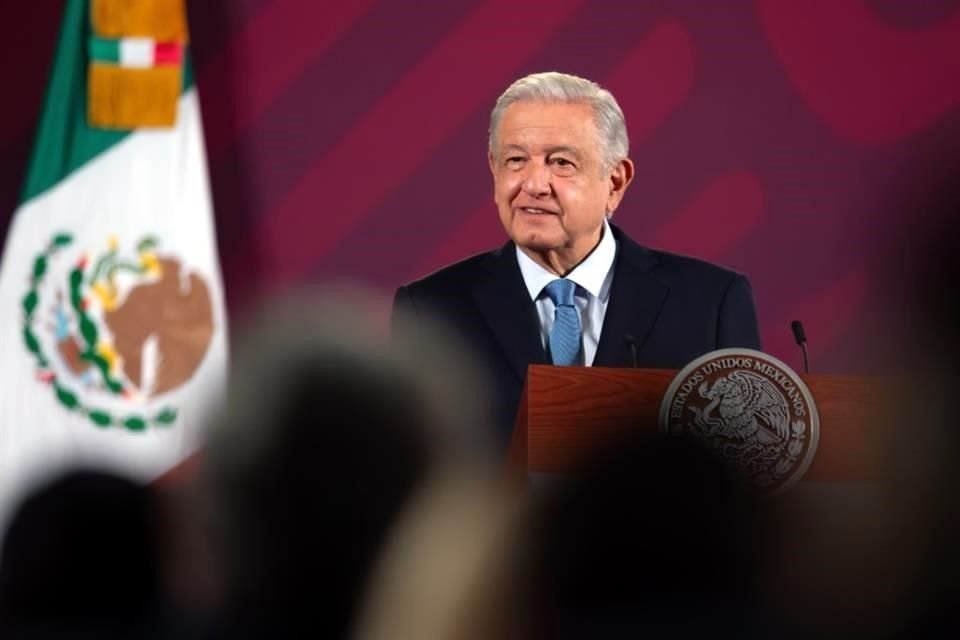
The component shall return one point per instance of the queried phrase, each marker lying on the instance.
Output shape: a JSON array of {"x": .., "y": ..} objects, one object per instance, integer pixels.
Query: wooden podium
[
  {"x": 567, "y": 413},
  {"x": 831, "y": 535}
]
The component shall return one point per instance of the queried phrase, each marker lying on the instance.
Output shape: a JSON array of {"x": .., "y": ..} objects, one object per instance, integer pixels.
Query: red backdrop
[{"x": 348, "y": 139}]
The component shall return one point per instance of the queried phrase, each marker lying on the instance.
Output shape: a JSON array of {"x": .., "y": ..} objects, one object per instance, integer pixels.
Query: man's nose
[{"x": 536, "y": 181}]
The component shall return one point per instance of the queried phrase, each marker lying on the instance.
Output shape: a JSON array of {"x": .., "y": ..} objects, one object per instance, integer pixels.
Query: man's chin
[
  {"x": 538, "y": 242},
  {"x": 539, "y": 235}
]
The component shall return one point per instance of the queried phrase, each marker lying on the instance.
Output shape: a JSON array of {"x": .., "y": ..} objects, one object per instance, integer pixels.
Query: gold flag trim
[
  {"x": 128, "y": 98},
  {"x": 163, "y": 20}
]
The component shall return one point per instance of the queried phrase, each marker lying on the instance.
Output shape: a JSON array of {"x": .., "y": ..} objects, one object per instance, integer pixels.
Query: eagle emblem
[
  {"x": 751, "y": 408},
  {"x": 743, "y": 405},
  {"x": 113, "y": 333}
]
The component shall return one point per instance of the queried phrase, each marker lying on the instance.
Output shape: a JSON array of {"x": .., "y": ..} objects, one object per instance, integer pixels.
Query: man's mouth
[{"x": 536, "y": 211}]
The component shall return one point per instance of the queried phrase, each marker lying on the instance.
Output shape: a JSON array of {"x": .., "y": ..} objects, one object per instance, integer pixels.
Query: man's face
[{"x": 548, "y": 184}]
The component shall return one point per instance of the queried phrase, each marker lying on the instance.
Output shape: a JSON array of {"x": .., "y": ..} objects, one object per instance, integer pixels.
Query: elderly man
[{"x": 569, "y": 288}]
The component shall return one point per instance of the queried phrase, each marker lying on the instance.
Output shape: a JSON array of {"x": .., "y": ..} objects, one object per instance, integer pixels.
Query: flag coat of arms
[{"x": 112, "y": 327}]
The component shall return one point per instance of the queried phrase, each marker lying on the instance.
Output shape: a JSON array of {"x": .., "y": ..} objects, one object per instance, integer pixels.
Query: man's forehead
[
  {"x": 526, "y": 122},
  {"x": 548, "y": 114},
  {"x": 541, "y": 147}
]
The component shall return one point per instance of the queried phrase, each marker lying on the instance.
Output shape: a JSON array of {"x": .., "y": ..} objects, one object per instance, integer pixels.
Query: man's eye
[
  {"x": 563, "y": 167},
  {"x": 514, "y": 160}
]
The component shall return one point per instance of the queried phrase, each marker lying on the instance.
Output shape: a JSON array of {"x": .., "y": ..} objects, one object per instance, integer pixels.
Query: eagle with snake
[{"x": 743, "y": 405}]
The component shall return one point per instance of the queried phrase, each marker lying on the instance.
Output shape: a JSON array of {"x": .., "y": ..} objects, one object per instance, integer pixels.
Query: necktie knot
[{"x": 561, "y": 292}]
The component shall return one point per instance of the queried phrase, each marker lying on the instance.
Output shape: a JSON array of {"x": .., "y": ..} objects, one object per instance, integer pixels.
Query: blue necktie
[{"x": 565, "y": 336}]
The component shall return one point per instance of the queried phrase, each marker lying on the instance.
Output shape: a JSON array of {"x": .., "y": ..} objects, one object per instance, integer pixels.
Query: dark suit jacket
[{"x": 677, "y": 308}]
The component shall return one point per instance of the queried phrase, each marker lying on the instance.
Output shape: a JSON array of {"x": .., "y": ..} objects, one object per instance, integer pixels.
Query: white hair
[{"x": 563, "y": 88}]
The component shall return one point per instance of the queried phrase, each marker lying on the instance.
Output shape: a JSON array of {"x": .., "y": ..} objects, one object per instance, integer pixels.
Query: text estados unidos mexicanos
[{"x": 781, "y": 379}]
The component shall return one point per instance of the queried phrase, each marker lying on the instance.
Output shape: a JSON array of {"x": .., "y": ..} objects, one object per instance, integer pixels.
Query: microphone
[
  {"x": 801, "y": 337},
  {"x": 632, "y": 343}
]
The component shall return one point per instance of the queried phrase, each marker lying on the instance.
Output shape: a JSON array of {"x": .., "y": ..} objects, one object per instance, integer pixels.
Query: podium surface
[{"x": 568, "y": 413}]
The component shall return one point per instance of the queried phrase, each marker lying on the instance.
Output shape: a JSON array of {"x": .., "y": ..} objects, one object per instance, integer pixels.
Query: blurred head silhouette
[
  {"x": 924, "y": 464},
  {"x": 79, "y": 552},
  {"x": 327, "y": 431}
]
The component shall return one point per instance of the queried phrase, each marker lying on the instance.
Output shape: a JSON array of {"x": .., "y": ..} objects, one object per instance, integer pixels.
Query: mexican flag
[{"x": 112, "y": 328}]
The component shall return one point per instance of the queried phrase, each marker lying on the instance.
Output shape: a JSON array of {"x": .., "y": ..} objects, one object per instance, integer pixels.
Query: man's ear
[
  {"x": 491, "y": 161},
  {"x": 620, "y": 179}
]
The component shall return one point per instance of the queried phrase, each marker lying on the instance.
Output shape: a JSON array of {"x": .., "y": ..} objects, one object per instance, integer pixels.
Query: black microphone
[
  {"x": 632, "y": 343},
  {"x": 801, "y": 337}
]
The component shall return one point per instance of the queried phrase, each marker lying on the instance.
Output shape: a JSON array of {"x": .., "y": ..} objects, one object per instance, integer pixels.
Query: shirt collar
[{"x": 593, "y": 274}]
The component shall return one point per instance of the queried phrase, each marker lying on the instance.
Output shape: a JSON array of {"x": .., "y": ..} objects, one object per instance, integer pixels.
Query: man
[{"x": 570, "y": 288}]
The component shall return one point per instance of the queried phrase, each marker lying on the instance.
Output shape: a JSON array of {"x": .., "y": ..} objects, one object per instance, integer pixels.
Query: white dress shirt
[{"x": 592, "y": 277}]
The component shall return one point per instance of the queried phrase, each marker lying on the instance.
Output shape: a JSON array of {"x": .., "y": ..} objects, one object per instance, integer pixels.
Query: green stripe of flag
[
  {"x": 64, "y": 140},
  {"x": 105, "y": 50}
]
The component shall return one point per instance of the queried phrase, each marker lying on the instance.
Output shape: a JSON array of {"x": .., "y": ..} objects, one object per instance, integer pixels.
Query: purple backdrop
[{"x": 779, "y": 138}]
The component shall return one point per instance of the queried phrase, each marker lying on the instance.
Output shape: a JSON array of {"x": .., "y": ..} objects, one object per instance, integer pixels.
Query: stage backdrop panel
[{"x": 790, "y": 140}]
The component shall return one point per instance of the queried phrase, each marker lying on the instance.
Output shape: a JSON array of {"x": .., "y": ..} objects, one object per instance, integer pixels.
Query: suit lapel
[
  {"x": 505, "y": 305},
  {"x": 636, "y": 298}
]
